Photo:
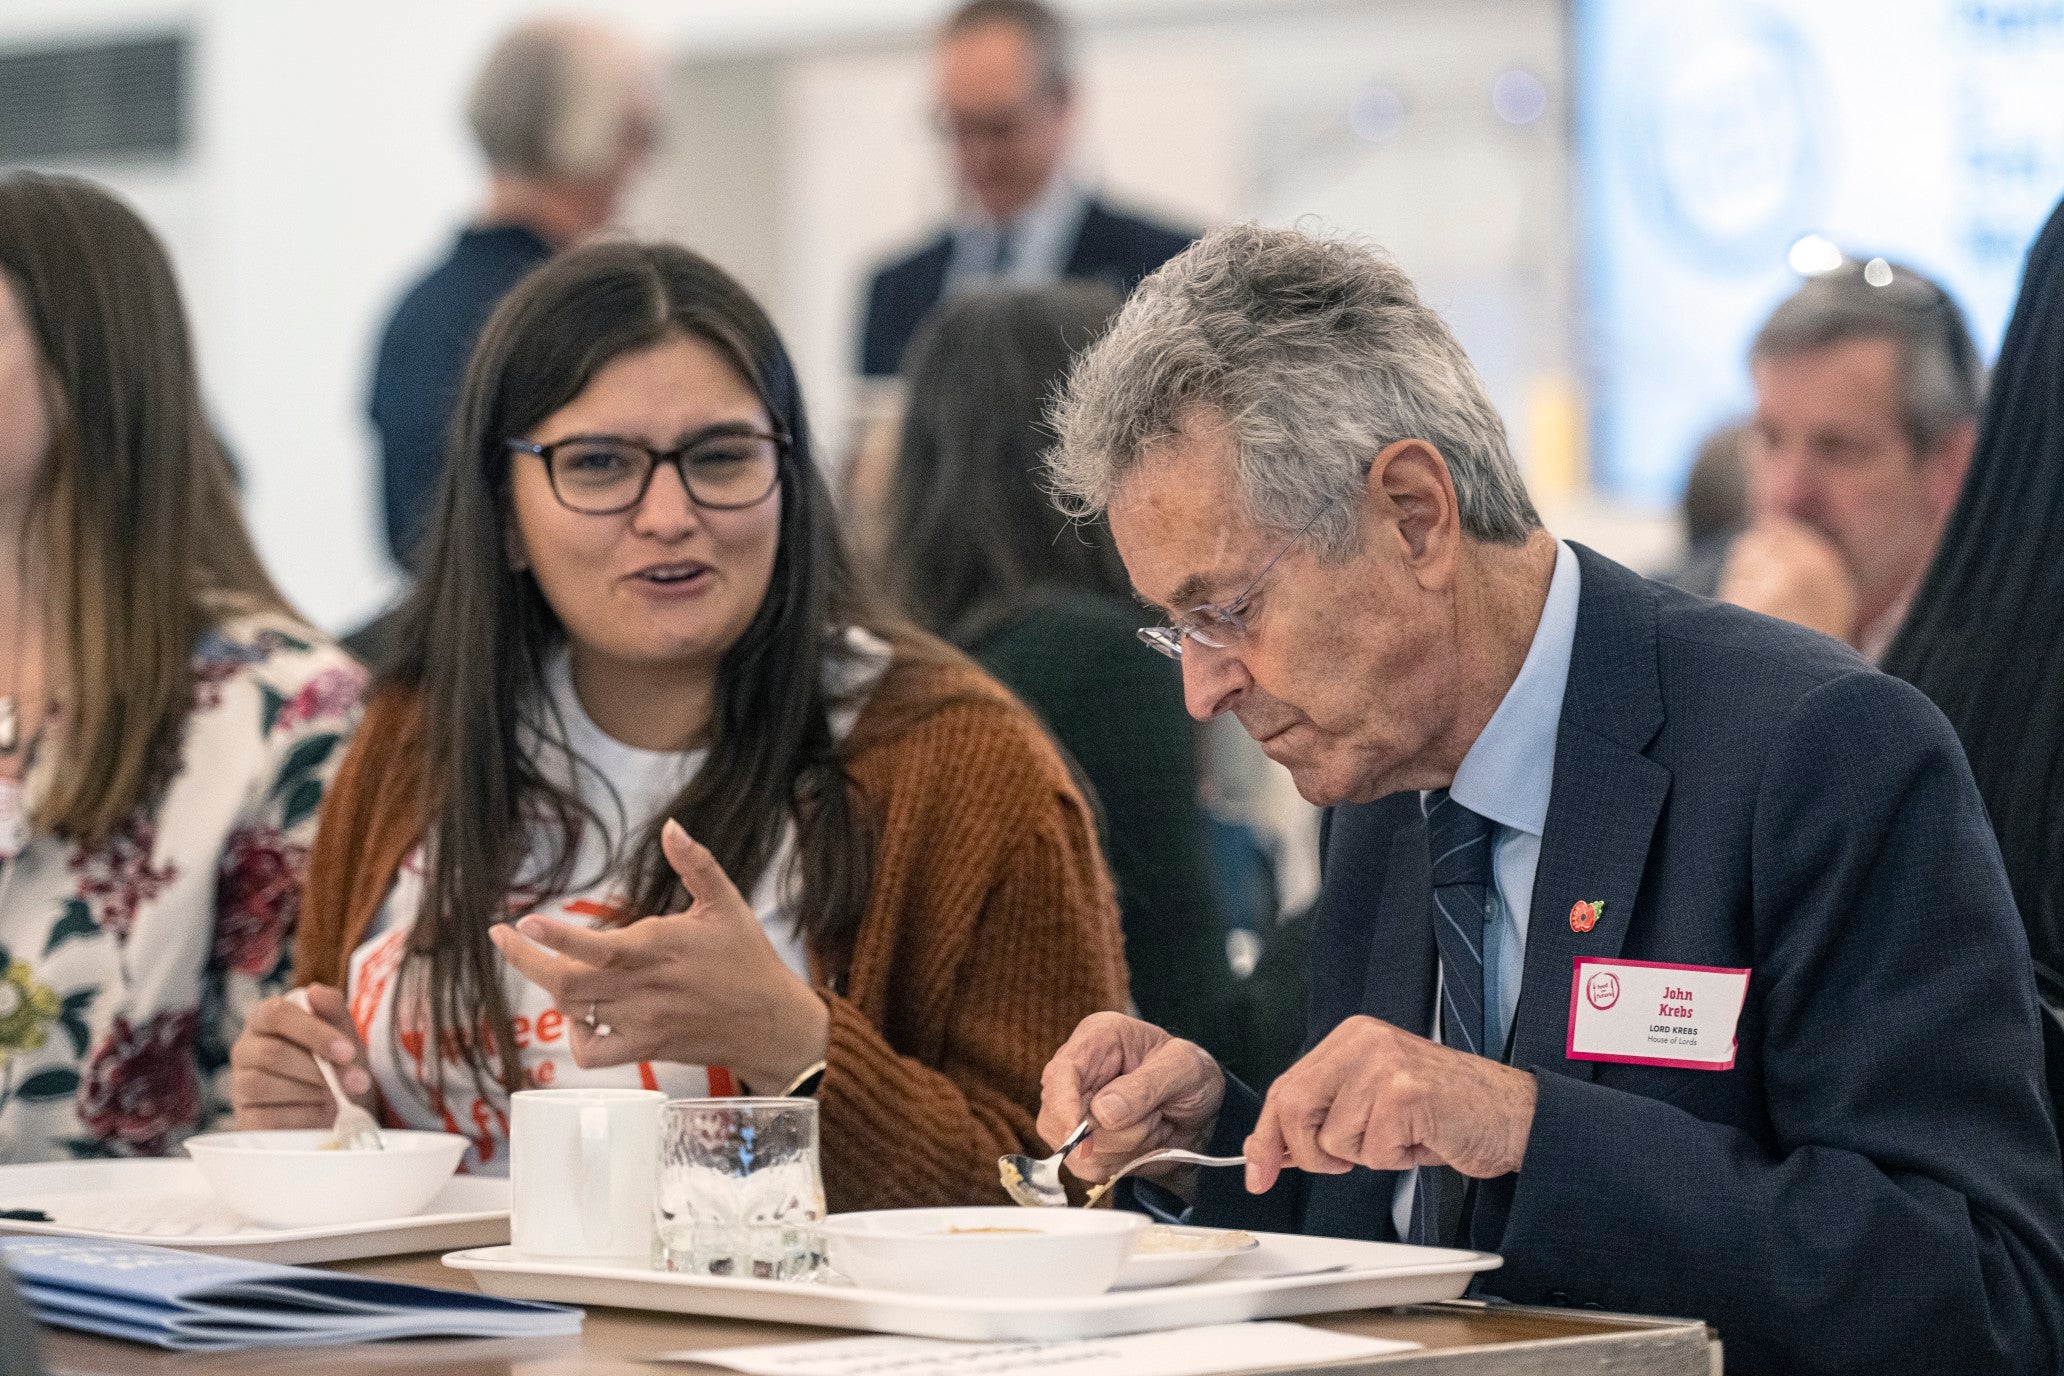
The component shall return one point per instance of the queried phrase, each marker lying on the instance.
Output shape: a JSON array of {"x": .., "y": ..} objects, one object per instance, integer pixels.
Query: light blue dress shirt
[
  {"x": 1042, "y": 238},
  {"x": 1507, "y": 777}
]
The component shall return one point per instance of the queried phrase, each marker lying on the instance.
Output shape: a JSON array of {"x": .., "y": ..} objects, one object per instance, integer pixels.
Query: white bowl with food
[
  {"x": 983, "y": 1253},
  {"x": 1165, "y": 1254},
  {"x": 301, "y": 1179}
]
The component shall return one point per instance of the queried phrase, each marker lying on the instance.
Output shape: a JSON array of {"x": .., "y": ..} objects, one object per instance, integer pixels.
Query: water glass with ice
[{"x": 740, "y": 1193}]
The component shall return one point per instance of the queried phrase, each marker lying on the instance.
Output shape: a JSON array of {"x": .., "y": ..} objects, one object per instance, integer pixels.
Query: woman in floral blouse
[{"x": 167, "y": 724}]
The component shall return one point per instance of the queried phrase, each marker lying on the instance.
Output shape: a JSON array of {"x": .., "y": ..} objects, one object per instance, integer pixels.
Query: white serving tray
[
  {"x": 1251, "y": 1286},
  {"x": 164, "y": 1201}
]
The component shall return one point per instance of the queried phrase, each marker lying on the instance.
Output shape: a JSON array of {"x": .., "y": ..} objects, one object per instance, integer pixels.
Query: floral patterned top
[{"x": 126, "y": 971}]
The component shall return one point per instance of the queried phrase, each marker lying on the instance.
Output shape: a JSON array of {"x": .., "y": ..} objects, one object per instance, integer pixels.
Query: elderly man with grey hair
[
  {"x": 564, "y": 113},
  {"x": 1867, "y": 397},
  {"x": 1663, "y": 947}
]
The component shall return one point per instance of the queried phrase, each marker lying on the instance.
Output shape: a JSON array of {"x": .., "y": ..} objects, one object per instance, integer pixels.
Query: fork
[
  {"x": 1190, "y": 1158},
  {"x": 354, "y": 1129}
]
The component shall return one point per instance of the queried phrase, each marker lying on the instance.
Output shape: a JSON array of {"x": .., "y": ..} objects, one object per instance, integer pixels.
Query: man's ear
[
  {"x": 1947, "y": 461},
  {"x": 1409, "y": 492}
]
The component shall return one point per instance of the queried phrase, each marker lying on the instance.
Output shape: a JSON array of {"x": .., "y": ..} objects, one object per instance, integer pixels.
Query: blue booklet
[{"x": 192, "y": 1302}]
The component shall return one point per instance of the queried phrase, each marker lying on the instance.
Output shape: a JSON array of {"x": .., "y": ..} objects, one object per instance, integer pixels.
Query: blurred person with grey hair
[
  {"x": 1630, "y": 962},
  {"x": 1006, "y": 92},
  {"x": 564, "y": 113},
  {"x": 1867, "y": 396}
]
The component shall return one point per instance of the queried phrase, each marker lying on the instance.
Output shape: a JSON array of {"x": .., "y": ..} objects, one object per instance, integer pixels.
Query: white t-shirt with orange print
[{"x": 627, "y": 788}]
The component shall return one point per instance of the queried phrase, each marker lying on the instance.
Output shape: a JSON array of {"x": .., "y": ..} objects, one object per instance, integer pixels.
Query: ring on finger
[{"x": 599, "y": 1028}]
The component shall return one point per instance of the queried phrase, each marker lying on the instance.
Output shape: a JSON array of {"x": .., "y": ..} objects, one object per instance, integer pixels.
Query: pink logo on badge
[{"x": 1602, "y": 989}]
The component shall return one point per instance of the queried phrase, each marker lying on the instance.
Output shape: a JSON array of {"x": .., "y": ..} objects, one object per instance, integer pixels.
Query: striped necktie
[{"x": 1458, "y": 842}]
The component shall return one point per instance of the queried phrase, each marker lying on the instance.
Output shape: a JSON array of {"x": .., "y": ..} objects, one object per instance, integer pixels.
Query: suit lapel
[
  {"x": 1400, "y": 983},
  {"x": 1603, "y": 810},
  {"x": 1601, "y": 819},
  {"x": 1397, "y": 988},
  {"x": 929, "y": 278},
  {"x": 1087, "y": 258}
]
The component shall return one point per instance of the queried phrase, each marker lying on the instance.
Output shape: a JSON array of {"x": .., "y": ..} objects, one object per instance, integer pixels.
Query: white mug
[{"x": 583, "y": 1164}]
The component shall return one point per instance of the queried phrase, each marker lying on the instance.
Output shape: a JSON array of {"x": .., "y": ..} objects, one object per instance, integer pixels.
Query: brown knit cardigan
[{"x": 990, "y": 930}]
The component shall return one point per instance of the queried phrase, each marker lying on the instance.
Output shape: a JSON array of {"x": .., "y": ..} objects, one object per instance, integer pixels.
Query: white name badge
[{"x": 1640, "y": 1012}]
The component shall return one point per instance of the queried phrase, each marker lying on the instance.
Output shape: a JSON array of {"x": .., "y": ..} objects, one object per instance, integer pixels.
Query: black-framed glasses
[
  {"x": 1220, "y": 625},
  {"x": 606, "y": 475}
]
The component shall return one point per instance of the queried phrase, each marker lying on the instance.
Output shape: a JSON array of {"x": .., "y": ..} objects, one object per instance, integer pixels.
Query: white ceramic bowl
[
  {"x": 288, "y": 1179},
  {"x": 1164, "y": 1254},
  {"x": 983, "y": 1253}
]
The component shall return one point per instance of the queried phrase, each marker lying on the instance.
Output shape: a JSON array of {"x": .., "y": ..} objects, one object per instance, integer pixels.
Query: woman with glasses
[
  {"x": 650, "y": 797},
  {"x": 167, "y": 723}
]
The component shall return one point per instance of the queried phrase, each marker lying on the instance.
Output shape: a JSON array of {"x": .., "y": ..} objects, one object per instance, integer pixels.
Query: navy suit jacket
[
  {"x": 422, "y": 360},
  {"x": 1110, "y": 247},
  {"x": 1875, "y": 1185}
]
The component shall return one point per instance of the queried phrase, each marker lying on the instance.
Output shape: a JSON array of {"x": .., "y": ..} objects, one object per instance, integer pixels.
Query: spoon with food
[
  {"x": 1035, "y": 1182},
  {"x": 354, "y": 1129}
]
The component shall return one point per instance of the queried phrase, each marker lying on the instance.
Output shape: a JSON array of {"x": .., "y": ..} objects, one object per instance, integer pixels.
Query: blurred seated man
[
  {"x": 1714, "y": 508},
  {"x": 1662, "y": 948},
  {"x": 1867, "y": 395},
  {"x": 564, "y": 112},
  {"x": 1006, "y": 93}
]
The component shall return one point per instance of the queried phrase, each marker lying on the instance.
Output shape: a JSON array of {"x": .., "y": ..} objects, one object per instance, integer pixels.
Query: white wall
[{"x": 330, "y": 164}]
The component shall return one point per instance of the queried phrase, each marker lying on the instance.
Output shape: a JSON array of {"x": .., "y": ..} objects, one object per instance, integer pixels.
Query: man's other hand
[
  {"x": 1373, "y": 1095},
  {"x": 1145, "y": 1089}
]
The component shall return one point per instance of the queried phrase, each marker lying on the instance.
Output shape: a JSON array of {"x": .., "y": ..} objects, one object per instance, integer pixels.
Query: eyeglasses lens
[
  {"x": 724, "y": 471},
  {"x": 1166, "y": 639}
]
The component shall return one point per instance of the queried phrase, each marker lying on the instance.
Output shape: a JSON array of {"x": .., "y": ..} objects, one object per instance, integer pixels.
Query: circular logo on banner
[
  {"x": 1603, "y": 989},
  {"x": 1726, "y": 139}
]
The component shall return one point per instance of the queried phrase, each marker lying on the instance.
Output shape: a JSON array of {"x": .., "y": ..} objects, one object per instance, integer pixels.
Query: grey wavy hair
[
  {"x": 561, "y": 98},
  {"x": 1315, "y": 353}
]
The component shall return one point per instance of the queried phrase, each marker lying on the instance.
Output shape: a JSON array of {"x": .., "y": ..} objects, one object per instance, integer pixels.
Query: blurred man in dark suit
[{"x": 1006, "y": 93}]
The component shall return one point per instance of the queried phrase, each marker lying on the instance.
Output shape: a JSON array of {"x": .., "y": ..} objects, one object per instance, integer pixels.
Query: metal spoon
[
  {"x": 1192, "y": 1158},
  {"x": 354, "y": 1129},
  {"x": 1036, "y": 1183}
]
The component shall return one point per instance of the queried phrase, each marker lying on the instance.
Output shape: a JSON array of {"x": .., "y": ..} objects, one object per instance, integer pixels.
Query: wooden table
[{"x": 1461, "y": 1338}]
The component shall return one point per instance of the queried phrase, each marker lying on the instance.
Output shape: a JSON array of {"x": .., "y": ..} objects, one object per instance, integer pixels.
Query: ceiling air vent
[{"x": 108, "y": 100}]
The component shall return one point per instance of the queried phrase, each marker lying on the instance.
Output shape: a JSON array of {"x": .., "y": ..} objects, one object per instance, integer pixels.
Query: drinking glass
[{"x": 739, "y": 1189}]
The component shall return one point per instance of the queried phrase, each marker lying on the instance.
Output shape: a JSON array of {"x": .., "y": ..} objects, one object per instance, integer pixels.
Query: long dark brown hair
[
  {"x": 476, "y": 637},
  {"x": 1983, "y": 637},
  {"x": 970, "y": 535},
  {"x": 135, "y": 506}
]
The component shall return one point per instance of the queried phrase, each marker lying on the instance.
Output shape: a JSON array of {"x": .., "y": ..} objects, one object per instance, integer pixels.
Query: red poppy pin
[{"x": 1584, "y": 916}]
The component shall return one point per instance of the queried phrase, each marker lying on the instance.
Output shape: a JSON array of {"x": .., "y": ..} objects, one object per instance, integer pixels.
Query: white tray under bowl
[
  {"x": 165, "y": 1202},
  {"x": 1256, "y": 1285}
]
